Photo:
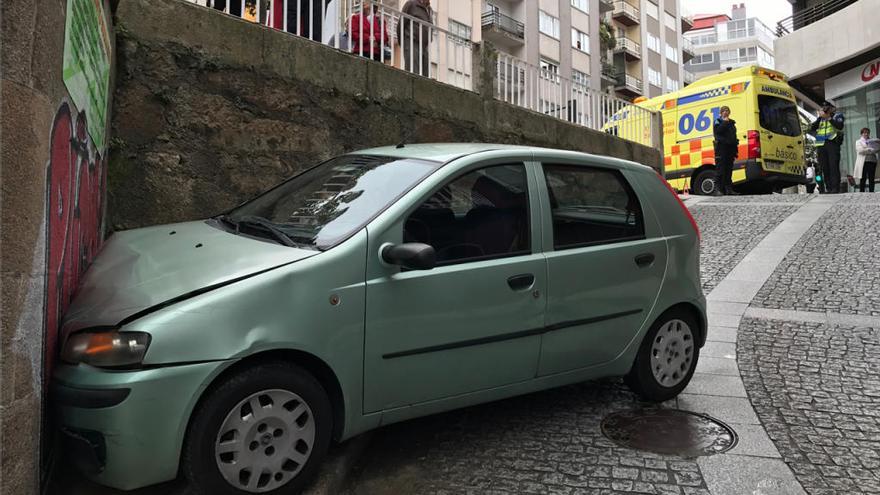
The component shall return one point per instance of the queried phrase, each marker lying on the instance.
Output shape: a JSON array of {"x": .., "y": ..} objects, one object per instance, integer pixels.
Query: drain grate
[{"x": 669, "y": 431}]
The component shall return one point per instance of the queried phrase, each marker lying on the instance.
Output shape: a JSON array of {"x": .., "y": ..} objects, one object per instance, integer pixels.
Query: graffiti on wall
[{"x": 77, "y": 177}]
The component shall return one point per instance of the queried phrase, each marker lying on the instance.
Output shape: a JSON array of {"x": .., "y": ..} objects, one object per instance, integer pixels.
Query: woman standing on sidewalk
[{"x": 866, "y": 161}]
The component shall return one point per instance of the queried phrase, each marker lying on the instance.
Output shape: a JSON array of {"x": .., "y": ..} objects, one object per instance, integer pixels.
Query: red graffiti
[{"x": 76, "y": 183}]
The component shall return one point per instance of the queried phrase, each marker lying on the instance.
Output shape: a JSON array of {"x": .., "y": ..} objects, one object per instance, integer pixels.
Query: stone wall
[
  {"x": 210, "y": 110},
  {"x": 51, "y": 212}
]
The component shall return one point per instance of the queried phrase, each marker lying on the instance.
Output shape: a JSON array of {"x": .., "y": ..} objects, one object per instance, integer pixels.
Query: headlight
[{"x": 108, "y": 349}]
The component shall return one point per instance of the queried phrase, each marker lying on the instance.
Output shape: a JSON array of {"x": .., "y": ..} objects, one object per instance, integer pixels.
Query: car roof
[{"x": 445, "y": 152}]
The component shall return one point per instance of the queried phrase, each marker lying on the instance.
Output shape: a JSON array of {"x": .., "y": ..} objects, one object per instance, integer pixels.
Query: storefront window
[{"x": 861, "y": 109}]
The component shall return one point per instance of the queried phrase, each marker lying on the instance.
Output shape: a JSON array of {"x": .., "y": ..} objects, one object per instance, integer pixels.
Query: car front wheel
[
  {"x": 667, "y": 358},
  {"x": 265, "y": 430}
]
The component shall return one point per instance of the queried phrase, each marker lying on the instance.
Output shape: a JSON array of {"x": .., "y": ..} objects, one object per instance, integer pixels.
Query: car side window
[
  {"x": 483, "y": 214},
  {"x": 591, "y": 206}
]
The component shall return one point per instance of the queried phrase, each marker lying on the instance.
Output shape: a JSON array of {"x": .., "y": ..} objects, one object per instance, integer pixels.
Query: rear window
[{"x": 778, "y": 115}]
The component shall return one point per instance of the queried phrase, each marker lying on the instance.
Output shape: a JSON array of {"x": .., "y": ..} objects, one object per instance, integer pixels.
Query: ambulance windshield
[{"x": 778, "y": 115}]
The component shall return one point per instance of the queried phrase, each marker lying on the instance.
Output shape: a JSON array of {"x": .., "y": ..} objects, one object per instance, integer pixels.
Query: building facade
[
  {"x": 722, "y": 42},
  {"x": 831, "y": 50}
]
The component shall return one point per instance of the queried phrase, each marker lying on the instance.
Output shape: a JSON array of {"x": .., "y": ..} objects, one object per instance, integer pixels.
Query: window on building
[
  {"x": 671, "y": 53},
  {"x": 765, "y": 59},
  {"x": 730, "y": 58},
  {"x": 580, "y": 41},
  {"x": 583, "y": 5},
  {"x": 655, "y": 78},
  {"x": 652, "y": 10},
  {"x": 591, "y": 206},
  {"x": 548, "y": 24},
  {"x": 653, "y": 42},
  {"x": 580, "y": 79},
  {"x": 459, "y": 29},
  {"x": 669, "y": 20},
  {"x": 671, "y": 84},
  {"x": 705, "y": 58},
  {"x": 549, "y": 70},
  {"x": 704, "y": 39}
]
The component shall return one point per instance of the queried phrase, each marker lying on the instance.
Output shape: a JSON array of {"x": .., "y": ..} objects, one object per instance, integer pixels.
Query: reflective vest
[{"x": 825, "y": 132}]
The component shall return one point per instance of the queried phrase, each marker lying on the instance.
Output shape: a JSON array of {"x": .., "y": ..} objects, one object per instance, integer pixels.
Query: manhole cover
[{"x": 669, "y": 431}]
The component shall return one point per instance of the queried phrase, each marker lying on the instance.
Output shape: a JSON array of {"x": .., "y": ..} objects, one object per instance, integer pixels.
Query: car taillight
[
  {"x": 683, "y": 207},
  {"x": 754, "y": 140}
]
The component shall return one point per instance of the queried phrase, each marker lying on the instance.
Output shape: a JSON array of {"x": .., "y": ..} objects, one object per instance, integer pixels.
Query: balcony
[
  {"x": 502, "y": 29},
  {"x": 689, "y": 78},
  {"x": 687, "y": 50},
  {"x": 606, "y": 6},
  {"x": 630, "y": 50},
  {"x": 628, "y": 85},
  {"x": 609, "y": 74},
  {"x": 687, "y": 24},
  {"x": 810, "y": 15},
  {"x": 626, "y": 14}
]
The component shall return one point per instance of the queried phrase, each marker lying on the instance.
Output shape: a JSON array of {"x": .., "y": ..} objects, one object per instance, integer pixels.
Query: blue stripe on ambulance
[{"x": 705, "y": 95}]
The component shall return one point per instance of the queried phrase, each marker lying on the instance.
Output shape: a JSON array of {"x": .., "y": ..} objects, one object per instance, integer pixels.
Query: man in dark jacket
[
  {"x": 726, "y": 146},
  {"x": 415, "y": 36},
  {"x": 828, "y": 130}
]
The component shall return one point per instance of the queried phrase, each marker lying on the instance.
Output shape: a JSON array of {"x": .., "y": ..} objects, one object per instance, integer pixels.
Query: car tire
[
  {"x": 667, "y": 357},
  {"x": 705, "y": 183},
  {"x": 274, "y": 417}
]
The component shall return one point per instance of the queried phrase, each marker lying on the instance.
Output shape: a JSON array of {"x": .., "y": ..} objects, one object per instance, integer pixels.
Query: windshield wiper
[{"x": 268, "y": 226}]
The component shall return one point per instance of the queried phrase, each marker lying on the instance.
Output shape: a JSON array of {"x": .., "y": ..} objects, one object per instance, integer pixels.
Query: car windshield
[
  {"x": 778, "y": 115},
  {"x": 325, "y": 205}
]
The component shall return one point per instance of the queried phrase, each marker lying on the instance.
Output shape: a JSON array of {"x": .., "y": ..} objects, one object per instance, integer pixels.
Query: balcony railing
[
  {"x": 548, "y": 92},
  {"x": 689, "y": 77},
  {"x": 626, "y": 81},
  {"x": 626, "y": 13},
  {"x": 630, "y": 48},
  {"x": 503, "y": 23},
  {"x": 810, "y": 15},
  {"x": 606, "y": 6},
  {"x": 609, "y": 71},
  {"x": 397, "y": 40}
]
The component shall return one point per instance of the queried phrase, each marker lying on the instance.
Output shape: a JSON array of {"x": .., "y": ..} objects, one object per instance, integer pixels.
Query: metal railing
[
  {"x": 626, "y": 44},
  {"x": 687, "y": 45},
  {"x": 609, "y": 70},
  {"x": 689, "y": 77},
  {"x": 810, "y": 15},
  {"x": 625, "y": 80},
  {"x": 503, "y": 22},
  {"x": 547, "y": 92},
  {"x": 373, "y": 31},
  {"x": 621, "y": 7}
]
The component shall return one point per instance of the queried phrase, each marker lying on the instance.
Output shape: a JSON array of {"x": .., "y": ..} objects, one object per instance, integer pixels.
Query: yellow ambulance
[{"x": 771, "y": 142}]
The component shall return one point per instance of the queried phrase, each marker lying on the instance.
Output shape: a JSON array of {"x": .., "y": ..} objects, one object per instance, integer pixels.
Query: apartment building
[
  {"x": 722, "y": 42},
  {"x": 649, "y": 51}
]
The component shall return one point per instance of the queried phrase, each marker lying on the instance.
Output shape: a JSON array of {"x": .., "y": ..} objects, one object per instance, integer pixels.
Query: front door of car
[
  {"x": 604, "y": 264},
  {"x": 472, "y": 322}
]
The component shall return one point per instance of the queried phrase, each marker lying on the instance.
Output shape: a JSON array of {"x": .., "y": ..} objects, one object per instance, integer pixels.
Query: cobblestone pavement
[
  {"x": 730, "y": 232},
  {"x": 816, "y": 389},
  {"x": 835, "y": 267},
  {"x": 548, "y": 442}
]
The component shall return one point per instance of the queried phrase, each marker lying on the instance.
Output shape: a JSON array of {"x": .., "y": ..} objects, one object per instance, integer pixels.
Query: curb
[{"x": 338, "y": 465}]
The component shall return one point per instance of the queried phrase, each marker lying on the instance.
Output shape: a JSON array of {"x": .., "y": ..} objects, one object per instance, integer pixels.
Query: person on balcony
[
  {"x": 367, "y": 31},
  {"x": 415, "y": 36}
]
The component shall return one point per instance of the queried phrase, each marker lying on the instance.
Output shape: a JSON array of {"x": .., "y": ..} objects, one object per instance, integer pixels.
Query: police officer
[
  {"x": 828, "y": 130},
  {"x": 726, "y": 145}
]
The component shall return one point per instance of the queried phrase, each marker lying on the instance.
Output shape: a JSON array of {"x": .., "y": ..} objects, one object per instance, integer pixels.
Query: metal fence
[
  {"x": 546, "y": 91},
  {"x": 810, "y": 15},
  {"x": 366, "y": 29}
]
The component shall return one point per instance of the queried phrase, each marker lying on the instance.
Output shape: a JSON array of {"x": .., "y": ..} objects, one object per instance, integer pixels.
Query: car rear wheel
[
  {"x": 264, "y": 430},
  {"x": 667, "y": 358},
  {"x": 705, "y": 183}
]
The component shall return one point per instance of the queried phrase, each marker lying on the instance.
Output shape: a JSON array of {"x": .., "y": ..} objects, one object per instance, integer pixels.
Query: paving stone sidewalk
[{"x": 816, "y": 389}]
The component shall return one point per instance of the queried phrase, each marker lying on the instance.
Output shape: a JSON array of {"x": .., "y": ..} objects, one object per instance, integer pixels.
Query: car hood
[{"x": 139, "y": 269}]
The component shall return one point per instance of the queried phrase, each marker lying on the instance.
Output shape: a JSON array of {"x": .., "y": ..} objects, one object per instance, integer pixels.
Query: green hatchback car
[{"x": 376, "y": 287}]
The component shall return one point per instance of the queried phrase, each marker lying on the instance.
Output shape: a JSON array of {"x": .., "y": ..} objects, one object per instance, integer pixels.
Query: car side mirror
[{"x": 412, "y": 255}]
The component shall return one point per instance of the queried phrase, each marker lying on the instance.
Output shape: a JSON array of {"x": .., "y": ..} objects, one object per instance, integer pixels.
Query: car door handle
[
  {"x": 644, "y": 260},
  {"x": 521, "y": 282}
]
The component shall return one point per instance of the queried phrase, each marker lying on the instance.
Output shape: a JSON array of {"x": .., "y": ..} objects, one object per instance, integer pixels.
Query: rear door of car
[{"x": 605, "y": 260}]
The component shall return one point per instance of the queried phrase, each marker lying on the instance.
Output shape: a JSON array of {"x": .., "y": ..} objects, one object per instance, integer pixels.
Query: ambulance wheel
[{"x": 705, "y": 183}]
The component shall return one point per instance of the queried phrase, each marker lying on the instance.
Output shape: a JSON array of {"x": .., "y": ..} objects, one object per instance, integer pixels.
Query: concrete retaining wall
[{"x": 210, "y": 110}]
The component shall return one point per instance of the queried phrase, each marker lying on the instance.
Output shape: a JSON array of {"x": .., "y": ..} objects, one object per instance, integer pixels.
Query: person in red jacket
[{"x": 369, "y": 38}]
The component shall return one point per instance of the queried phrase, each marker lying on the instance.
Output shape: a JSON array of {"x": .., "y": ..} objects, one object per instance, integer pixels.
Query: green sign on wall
[{"x": 87, "y": 63}]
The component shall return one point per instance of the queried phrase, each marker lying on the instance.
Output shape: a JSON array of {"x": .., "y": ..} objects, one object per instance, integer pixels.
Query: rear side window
[{"x": 591, "y": 206}]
